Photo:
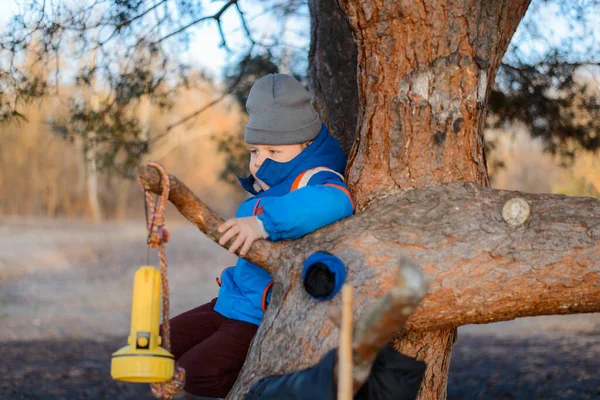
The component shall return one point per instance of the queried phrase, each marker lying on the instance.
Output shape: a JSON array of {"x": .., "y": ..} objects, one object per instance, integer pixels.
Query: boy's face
[{"x": 280, "y": 153}]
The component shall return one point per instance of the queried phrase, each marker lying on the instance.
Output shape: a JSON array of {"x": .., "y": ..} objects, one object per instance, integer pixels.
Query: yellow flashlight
[{"x": 143, "y": 360}]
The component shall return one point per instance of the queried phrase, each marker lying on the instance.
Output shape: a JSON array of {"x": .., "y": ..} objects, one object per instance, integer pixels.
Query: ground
[{"x": 65, "y": 297}]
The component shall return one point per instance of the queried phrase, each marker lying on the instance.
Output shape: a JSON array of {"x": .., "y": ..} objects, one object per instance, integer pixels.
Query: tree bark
[
  {"x": 332, "y": 70},
  {"x": 480, "y": 269},
  {"x": 425, "y": 71},
  {"x": 429, "y": 345}
]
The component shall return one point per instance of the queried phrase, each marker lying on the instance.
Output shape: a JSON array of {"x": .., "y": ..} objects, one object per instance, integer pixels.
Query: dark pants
[{"x": 211, "y": 348}]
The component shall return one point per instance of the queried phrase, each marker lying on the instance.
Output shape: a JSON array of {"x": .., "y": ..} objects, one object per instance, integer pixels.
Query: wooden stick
[{"x": 345, "y": 382}]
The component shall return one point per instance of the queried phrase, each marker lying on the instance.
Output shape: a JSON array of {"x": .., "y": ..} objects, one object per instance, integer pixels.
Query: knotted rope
[{"x": 158, "y": 236}]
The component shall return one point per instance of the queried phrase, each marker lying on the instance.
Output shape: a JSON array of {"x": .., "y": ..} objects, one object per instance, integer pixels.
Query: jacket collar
[
  {"x": 249, "y": 184},
  {"x": 323, "y": 151}
]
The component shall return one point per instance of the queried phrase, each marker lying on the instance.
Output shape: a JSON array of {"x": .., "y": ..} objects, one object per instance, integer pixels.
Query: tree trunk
[
  {"x": 434, "y": 347},
  {"x": 89, "y": 144},
  {"x": 92, "y": 178},
  {"x": 482, "y": 266},
  {"x": 424, "y": 73},
  {"x": 332, "y": 70},
  {"x": 123, "y": 186}
]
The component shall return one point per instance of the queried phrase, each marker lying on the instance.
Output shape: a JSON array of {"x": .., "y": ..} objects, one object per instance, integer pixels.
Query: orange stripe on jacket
[
  {"x": 297, "y": 181},
  {"x": 264, "y": 299},
  {"x": 256, "y": 207},
  {"x": 342, "y": 189}
]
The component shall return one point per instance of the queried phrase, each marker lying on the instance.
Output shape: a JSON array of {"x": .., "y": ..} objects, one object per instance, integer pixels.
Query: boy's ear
[{"x": 306, "y": 144}]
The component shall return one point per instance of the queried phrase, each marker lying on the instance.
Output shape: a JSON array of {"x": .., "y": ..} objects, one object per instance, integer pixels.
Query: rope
[{"x": 158, "y": 236}]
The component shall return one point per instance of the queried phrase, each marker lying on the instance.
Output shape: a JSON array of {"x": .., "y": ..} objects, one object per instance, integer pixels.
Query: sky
[
  {"x": 7, "y": 8},
  {"x": 205, "y": 50}
]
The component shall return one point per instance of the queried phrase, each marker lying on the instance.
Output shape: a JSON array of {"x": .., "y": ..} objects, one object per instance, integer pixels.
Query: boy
[{"x": 296, "y": 181}]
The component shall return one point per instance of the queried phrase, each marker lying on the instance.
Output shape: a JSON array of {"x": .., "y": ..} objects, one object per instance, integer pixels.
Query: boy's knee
[{"x": 209, "y": 381}]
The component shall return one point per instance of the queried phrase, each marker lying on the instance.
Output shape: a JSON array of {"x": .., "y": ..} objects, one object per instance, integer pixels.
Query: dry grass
[{"x": 64, "y": 279}]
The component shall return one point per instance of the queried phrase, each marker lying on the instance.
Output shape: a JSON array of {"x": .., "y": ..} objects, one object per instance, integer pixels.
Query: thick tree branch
[
  {"x": 482, "y": 269},
  {"x": 263, "y": 253}
]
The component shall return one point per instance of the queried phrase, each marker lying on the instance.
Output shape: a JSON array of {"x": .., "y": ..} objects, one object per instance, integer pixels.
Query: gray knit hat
[{"x": 280, "y": 112}]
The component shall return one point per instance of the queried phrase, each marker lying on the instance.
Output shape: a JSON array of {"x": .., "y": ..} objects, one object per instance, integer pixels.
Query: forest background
[{"x": 45, "y": 162}]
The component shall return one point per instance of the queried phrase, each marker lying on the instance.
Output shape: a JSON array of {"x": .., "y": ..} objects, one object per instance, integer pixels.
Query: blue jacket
[{"x": 303, "y": 197}]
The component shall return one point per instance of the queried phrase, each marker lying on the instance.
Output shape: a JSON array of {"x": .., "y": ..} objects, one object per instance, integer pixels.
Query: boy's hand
[{"x": 248, "y": 230}]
